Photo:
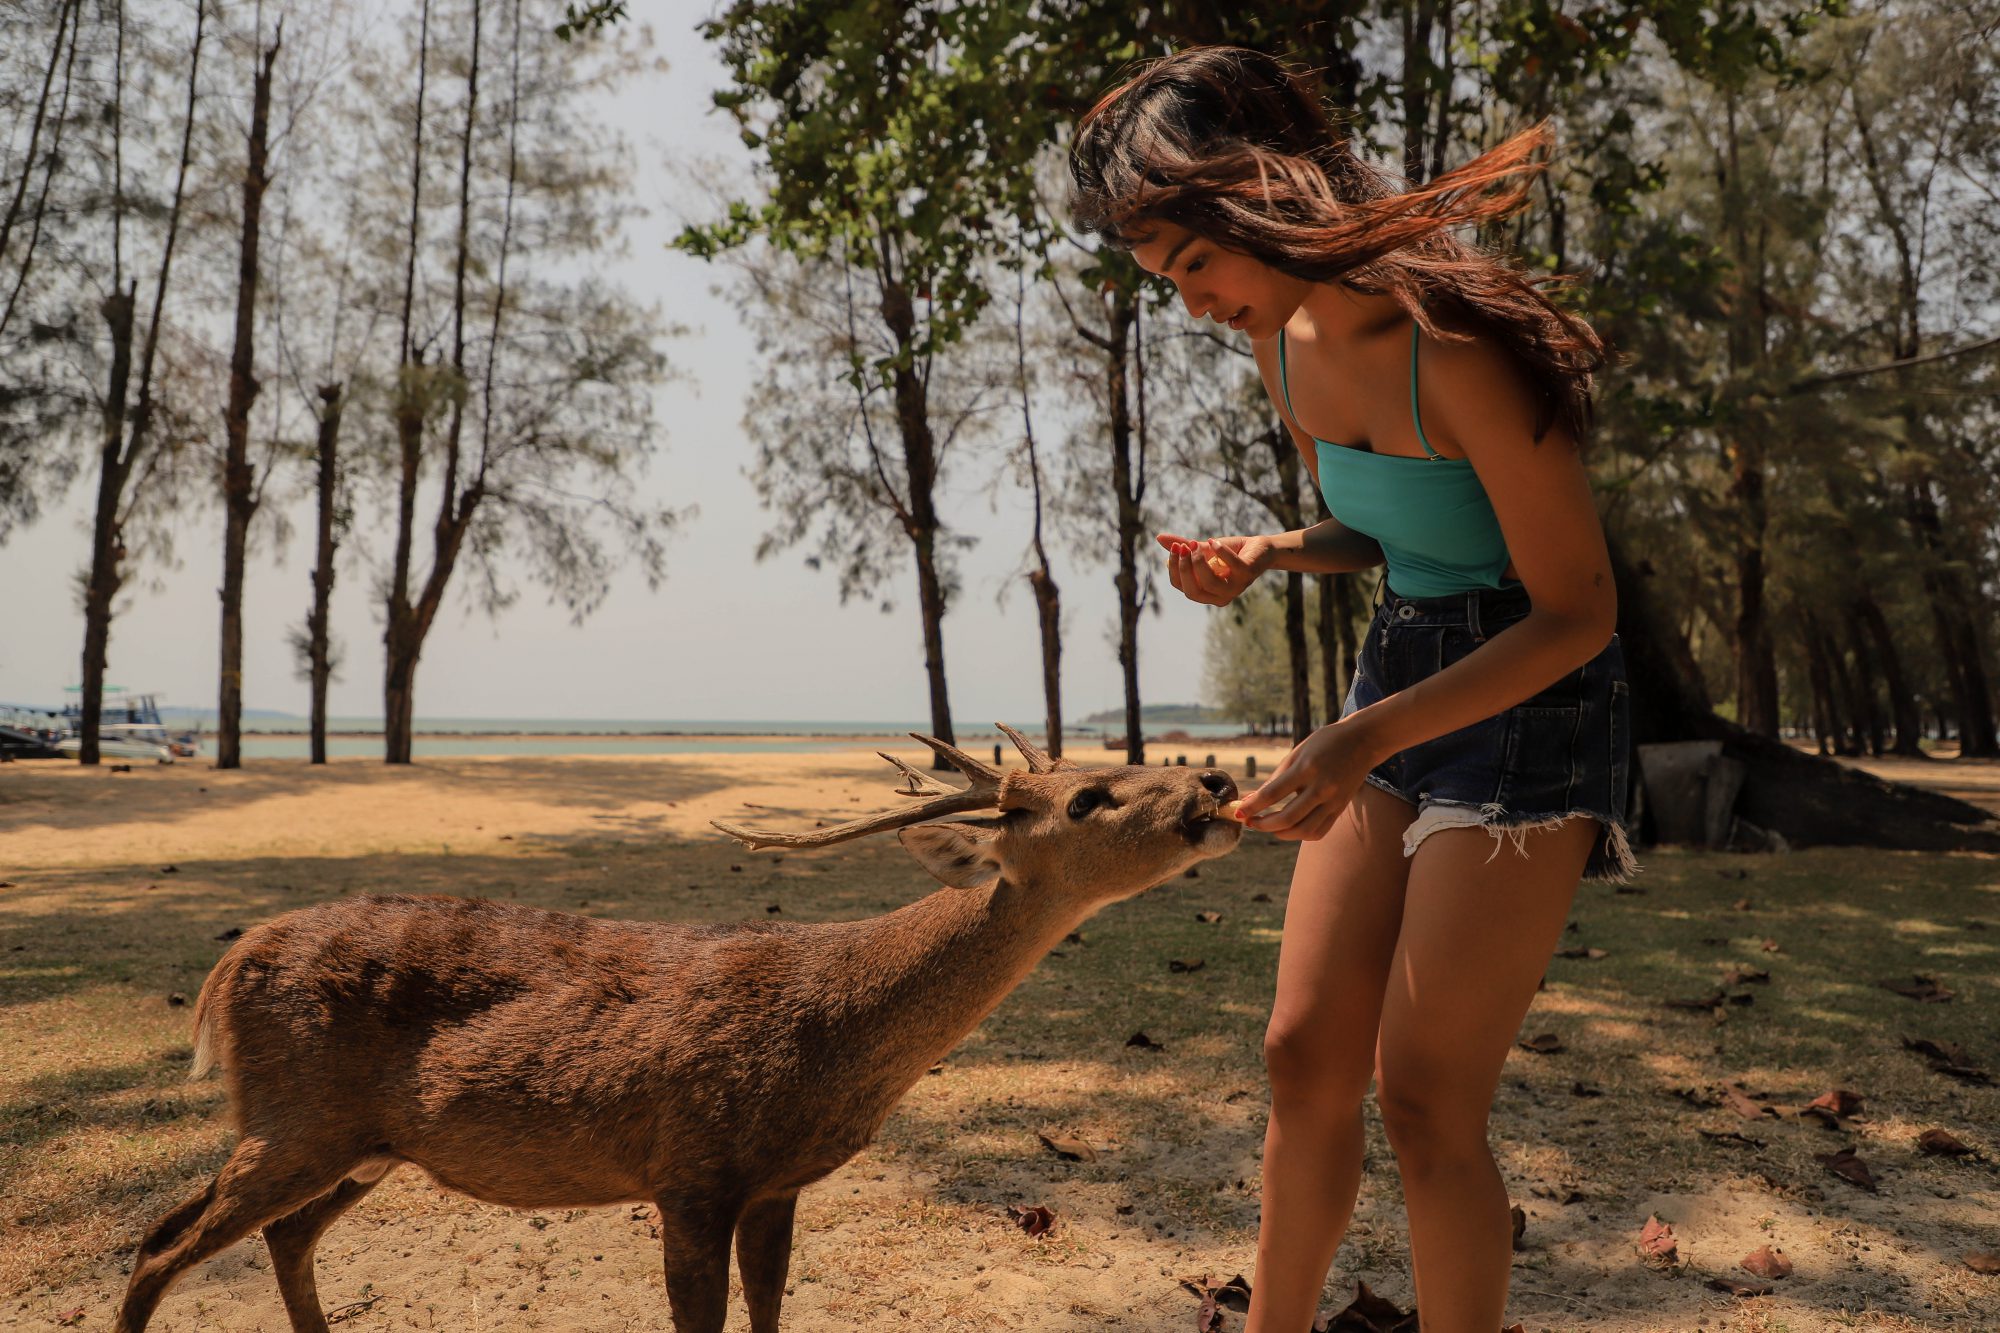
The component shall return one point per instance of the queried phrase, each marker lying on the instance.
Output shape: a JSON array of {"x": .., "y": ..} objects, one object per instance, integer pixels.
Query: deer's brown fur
[{"x": 539, "y": 1059}]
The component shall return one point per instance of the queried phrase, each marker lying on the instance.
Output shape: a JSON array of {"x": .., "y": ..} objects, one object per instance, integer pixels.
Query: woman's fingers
[
  {"x": 1204, "y": 574},
  {"x": 1236, "y": 565},
  {"x": 1282, "y": 784}
]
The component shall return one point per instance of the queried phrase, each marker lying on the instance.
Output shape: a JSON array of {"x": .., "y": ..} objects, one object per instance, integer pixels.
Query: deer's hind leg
[
  {"x": 292, "y": 1239},
  {"x": 257, "y": 1183},
  {"x": 695, "y": 1236},
  {"x": 764, "y": 1256}
]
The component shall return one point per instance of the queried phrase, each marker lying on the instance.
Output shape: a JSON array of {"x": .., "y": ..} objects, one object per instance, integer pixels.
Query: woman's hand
[
  {"x": 1321, "y": 775},
  {"x": 1215, "y": 571}
]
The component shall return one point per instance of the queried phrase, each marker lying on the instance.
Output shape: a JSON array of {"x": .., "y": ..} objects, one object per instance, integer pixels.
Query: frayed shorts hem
[{"x": 1611, "y": 859}]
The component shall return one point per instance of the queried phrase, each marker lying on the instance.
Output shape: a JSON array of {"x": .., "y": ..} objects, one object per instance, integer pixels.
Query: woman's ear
[{"x": 962, "y": 855}]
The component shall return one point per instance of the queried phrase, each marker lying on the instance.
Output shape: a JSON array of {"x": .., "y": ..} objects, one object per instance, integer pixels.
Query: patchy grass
[{"x": 100, "y": 1131}]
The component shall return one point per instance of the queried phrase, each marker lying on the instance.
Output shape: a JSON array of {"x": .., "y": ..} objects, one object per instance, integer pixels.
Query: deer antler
[
  {"x": 1038, "y": 759},
  {"x": 983, "y": 794}
]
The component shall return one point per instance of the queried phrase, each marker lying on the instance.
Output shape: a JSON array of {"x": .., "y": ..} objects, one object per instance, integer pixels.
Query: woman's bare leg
[
  {"x": 1340, "y": 931},
  {"x": 1477, "y": 933}
]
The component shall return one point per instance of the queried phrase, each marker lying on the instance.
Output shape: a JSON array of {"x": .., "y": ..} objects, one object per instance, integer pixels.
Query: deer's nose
[{"x": 1219, "y": 784}]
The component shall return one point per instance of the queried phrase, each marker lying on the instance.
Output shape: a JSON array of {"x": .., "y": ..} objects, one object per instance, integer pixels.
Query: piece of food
[
  {"x": 1219, "y": 565},
  {"x": 1230, "y": 809}
]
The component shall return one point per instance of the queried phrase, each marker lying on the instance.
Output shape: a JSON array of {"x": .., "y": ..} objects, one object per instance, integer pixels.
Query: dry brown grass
[{"x": 100, "y": 1131}]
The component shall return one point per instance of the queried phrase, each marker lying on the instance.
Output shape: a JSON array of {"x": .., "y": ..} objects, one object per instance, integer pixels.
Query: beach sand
[{"x": 115, "y": 889}]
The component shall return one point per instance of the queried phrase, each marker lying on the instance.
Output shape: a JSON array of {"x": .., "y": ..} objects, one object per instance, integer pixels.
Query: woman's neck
[{"x": 1335, "y": 313}]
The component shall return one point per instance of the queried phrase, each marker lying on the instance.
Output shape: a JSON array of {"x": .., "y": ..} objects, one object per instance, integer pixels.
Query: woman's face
[{"x": 1223, "y": 285}]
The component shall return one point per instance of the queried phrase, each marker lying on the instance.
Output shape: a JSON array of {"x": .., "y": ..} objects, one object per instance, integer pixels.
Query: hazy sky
[{"x": 723, "y": 637}]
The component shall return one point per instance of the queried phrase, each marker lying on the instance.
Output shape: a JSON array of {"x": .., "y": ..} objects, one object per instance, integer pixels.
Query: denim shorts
[{"x": 1557, "y": 756}]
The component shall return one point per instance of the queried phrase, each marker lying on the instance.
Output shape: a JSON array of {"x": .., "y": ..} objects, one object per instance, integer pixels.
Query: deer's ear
[{"x": 962, "y": 855}]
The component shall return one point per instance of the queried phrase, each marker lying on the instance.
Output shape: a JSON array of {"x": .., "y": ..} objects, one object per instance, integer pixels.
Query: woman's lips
[{"x": 1236, "y": 320}]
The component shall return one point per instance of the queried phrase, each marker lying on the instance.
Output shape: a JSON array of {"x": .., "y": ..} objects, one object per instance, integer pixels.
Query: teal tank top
[{"x": 1437, "y": 529}]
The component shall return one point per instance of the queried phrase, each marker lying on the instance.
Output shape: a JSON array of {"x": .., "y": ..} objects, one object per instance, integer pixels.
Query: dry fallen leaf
[
  {"x": 1919, "y": 987},
  {"x": 1848, "y": 1167},
  {"x": 1983, "y": 1261},
  {"x": 1140, "y": 1039},
  {"x": 1736, "y": 1288},
  {"x": 1035, "y": 1221},
  {"x": 1839, "y": 1101},
  {"x": 1520, "y": 1220},
  {"x": 1656, "y": 1241},
  {"x": 1068, "y": 1147},
  {"x": 1547, "y": 1043},
  {"x": 1231, "y": 1295},
  {"x": 1739, "y": 1101},
  {"x": 1708, "y": 1001},
  {"x": 1582, "y": 952},
  {"x": 1765, "y": 1261},
  {"x": 1208, "y": 918},
  {"x": 1369, "y": 1313},
  {"x": 1184, "y": 965},
  {"x": 1745, "y": 976},
  {"x": 1942, "y": 1143}
]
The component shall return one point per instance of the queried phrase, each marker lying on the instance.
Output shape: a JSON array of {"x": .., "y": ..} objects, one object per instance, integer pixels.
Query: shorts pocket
[{"x": 1539, "y": 769}]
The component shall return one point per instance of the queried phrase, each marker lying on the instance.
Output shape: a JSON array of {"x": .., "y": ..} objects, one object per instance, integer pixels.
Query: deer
[{"x": 540, "y": 1059}]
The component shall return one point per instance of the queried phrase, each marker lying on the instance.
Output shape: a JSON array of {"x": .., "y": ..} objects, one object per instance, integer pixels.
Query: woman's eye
[
  {"x": 1196, "y": 264},
  {"x": 1084, "y": 802}
]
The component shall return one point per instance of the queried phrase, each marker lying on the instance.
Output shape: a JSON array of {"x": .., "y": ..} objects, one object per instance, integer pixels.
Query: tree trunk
[
  {"x": 1296, "y": 650},
  {"x": 1295, "y": 588},
  {"x": 317, "y": 628},
  {"x": 1756, "y": 659},
  {"x": 1902, "y": 701},
  {"x": 1850, "y": 739},
  {"x": 107, "y": 540},
  {"x": 1866, "y": 672},
  {"x": 1326, "y": 625},
  {"x": 399, "y": 647},
  {"x": 1811, "y": 801},
  {"x": 1958, "y": 645},
  {"x": 1124, "y": 316},
  {"x": 1048, "y": 613},
  {"x": 239, "y": 488},
  {"x": 1825, "y": 729},
  {"x": 1048, "y": 597},
  {"x": 921, "y": 524}
]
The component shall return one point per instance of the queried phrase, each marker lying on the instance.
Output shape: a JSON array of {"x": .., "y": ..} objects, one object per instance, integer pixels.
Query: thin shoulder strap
[
  {"x": 1415, "y": 415},
  {"x": 1283, "y": 383}
]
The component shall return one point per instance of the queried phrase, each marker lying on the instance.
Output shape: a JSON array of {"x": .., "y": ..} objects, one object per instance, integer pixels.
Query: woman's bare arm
[{"x": 1541, "y": 495}]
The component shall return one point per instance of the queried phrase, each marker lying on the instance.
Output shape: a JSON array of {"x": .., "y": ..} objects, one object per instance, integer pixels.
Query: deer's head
[{"x": 1099, "y": 834}]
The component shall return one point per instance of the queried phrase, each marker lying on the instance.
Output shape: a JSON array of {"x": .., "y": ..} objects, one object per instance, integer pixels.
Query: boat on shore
[{"x": 128, "y": 727}]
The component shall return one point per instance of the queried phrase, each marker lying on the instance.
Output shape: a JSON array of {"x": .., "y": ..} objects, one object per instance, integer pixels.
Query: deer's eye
[{"x": 1087, "y": 800}]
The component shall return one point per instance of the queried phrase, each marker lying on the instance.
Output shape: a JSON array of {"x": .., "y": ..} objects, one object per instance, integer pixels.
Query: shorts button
[{"x": 1405, "y": 612}]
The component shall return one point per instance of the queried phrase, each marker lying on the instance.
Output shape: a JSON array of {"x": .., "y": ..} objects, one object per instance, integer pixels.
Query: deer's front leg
[
  {"x": 695, "y": 1237},
  {"x": 764, "y": 1256}
]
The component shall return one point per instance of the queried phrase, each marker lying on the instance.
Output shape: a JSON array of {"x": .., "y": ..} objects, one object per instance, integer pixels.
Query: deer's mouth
[{"x": 1200, "y": 820}]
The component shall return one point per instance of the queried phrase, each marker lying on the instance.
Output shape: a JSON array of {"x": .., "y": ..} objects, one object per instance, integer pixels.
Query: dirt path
[{"x": 114, "y": 889}]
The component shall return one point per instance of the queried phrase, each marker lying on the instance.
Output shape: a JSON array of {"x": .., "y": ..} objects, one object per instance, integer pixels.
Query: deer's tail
[{"x": 208, "y": 1041}]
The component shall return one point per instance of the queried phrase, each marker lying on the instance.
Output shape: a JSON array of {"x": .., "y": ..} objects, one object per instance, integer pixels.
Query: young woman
[{"x": 1478, "y": 770}]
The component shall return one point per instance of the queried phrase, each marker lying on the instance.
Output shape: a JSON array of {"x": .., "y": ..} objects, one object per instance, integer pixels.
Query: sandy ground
[{"x": 914, "y": 1231}]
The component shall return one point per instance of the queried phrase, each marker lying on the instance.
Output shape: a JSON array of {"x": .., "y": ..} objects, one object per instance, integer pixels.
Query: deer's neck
[{"x": 912, "y": 983}]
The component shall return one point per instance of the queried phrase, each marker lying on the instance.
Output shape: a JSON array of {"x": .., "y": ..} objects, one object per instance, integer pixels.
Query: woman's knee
[
  {"x": 1429, "y": 1118},
  {"x": 1306, "y": 1063}
]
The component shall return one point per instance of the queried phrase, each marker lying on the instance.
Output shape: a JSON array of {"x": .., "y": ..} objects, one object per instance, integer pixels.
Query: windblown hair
[{"x": 1236, "y": 147}]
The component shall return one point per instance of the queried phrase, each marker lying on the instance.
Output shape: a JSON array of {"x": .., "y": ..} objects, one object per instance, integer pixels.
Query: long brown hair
[{"x": 1236, "y": 147}]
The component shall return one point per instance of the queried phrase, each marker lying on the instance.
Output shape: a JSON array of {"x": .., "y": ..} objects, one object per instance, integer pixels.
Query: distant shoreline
[{"x": 1091, "y": 738}]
